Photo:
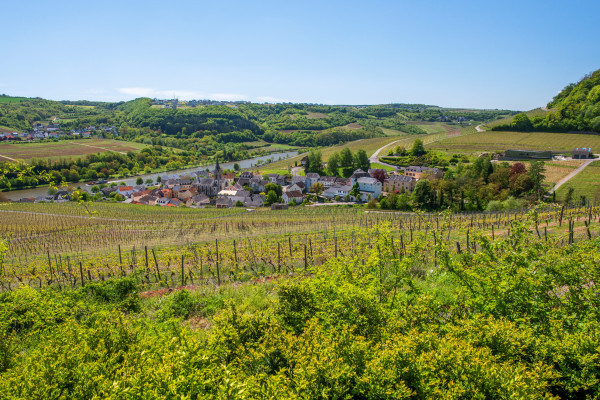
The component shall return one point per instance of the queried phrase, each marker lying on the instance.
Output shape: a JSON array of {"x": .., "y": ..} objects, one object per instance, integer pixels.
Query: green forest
[{"x": 575, "y": 108}]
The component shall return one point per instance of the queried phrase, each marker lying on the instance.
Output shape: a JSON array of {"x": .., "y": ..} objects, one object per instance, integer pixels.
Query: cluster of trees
[
  {"x": 341, "y": 164},
  {"x": 418, "y": 155},
  {"x": 97, "y": 166},
  {"x": 481, "y": 186},
  {"x": 196, "y": 121},
  {"x": 327, "y": 137}
]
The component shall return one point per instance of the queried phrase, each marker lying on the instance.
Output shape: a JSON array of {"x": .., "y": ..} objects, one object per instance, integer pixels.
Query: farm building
[
  {"x": 526, "y": 155},
  {"x": 582, "y": 152}
]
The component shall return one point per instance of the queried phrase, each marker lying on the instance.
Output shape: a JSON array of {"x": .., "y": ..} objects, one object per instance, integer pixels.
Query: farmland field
[
  {"x": 586, "y": 183},
  {"x": 369, "y": 145},
  {"x": 500, "y": 141},
  {"x": 555, "y": 171},
  {"x": 434, "y": 127},
  {"x": 7, "y": 99},
  {"x": 95, "y": 234},
  {"x": 65, "y": 148}
]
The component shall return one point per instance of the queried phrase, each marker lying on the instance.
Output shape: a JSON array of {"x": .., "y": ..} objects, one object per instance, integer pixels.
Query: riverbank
[{"x": 17, "y": 194}]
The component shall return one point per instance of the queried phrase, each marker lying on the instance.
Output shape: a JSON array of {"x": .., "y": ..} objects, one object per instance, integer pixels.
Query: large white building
[{"x": 369, "y": 186}]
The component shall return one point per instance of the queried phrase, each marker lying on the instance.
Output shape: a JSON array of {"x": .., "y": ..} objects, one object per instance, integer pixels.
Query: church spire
[{"x": 217, "y": 174}]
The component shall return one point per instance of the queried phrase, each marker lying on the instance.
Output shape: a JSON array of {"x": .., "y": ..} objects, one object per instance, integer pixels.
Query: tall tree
[
  {"x": 423, "y": 196},
  {"x": 380, "y": 175},
  {"x": 346, "y": 158},
  {"x": 333, "y": 164},
  {"x": 418, "y": 148},
  {"x": 536, "y": 173},
  {"x": 274, "y": 187},
  {"x": 315, "y": 163},
  {"x": 361, "y": 160},
  {"x": 271, "y": 197}
]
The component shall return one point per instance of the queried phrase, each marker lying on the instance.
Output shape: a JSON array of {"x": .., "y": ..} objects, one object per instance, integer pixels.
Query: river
[{"x": 249, "y": 163}]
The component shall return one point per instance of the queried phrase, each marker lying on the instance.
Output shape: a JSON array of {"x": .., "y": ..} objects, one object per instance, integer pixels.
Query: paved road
[
  {"x": 375, "y": 157},
  {"x": 572, "y": 174}
]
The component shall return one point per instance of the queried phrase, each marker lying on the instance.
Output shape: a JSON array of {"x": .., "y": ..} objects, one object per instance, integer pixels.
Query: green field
[
  {"x": 65, "y": 148},
  {"x": 586, "y": 183},
  {"x": 381, "y": 166},
  {"x": 369, "y": 145},
  {"x": 492, "y": 141},
  {"x": 8, "y": 99}
]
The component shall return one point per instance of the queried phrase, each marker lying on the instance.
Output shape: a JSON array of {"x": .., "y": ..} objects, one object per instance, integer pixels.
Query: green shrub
[
  {"x": 180, "y": 304},
  {"x": 121, "y": 292}
]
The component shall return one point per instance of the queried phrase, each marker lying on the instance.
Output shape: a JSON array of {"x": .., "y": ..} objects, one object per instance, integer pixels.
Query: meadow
[{"x": 65, "y": 148}]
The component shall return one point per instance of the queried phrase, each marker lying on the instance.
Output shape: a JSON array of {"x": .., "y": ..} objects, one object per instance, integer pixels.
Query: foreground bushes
[{"x": 517, "y": 319}]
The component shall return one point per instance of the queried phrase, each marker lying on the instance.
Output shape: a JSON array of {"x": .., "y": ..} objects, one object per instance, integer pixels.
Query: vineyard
[
  {"x": 66, "y": 245},
  {"x": 303, "y": 303}
]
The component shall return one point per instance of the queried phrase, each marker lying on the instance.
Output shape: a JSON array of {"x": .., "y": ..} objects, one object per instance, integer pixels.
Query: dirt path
[
  {"x": 572, "y": 174},
  {"x": 8, "y": 158},
  {"x": 97, "y": 147},
  {"x": 479, "y": 128}
]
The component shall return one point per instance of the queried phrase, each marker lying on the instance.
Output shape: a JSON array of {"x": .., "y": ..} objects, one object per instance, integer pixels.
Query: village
[
  {"x": 53, "y": 131},
  {"x": 225, "y": 189}
]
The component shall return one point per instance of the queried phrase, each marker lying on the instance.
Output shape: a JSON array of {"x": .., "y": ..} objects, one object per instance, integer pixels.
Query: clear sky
[{"x": 483, "y": 54}]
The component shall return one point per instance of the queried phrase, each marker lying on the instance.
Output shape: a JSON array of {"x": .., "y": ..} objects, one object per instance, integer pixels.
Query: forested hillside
[
  {"x": 577, "y": 109},
  {"x": 297, "y": 124}
]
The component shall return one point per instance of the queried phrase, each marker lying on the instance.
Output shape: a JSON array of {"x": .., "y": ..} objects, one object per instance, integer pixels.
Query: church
[{"x": 212, "y": 186}]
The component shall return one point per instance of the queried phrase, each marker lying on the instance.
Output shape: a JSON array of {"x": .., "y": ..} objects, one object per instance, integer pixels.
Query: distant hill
[{"x": 575, "y": 108}]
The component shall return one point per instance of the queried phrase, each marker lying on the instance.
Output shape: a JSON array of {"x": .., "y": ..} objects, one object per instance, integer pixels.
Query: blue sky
[{"x": 509, "y": 54}]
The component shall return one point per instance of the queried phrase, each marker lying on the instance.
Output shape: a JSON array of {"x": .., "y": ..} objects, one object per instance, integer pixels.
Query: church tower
[{"x": 217, "y": 173}]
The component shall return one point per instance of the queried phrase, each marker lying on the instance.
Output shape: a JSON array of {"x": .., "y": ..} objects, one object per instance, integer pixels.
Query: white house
[
  {"x": 370, "y": 186},
  {"x": 341, "y": 191},
  {"x": 292, "y": 195}
]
